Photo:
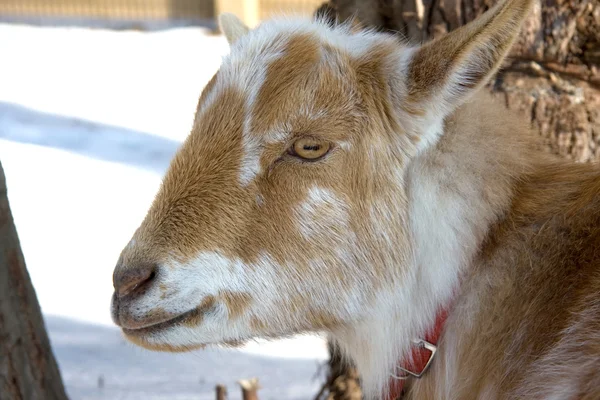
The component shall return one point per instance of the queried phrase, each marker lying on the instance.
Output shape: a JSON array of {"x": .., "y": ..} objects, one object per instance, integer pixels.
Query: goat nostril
[{"x": 134, "y": 278}]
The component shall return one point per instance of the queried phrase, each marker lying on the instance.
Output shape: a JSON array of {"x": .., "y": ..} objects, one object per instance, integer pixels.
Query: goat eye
[{"x": 310, "y": 149}]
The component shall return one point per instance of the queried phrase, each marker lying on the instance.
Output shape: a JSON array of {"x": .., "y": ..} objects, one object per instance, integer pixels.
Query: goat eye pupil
[{"x": 309, "y": 149}]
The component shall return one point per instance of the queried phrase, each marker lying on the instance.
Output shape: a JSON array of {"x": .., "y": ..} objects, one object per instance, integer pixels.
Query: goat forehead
[
  {"x": 291, "y": 74},
  {"x": 277, "y": 81},
  {"x": 293, "y": 83},
  {"x": 291, "y": 68},
  {"x": 283, "y": 79}
]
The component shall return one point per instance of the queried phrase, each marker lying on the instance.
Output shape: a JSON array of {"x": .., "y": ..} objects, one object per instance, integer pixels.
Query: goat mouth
[
  {"x": 143, "y": 336},
  {"x": 161, "y": 326},
  {"x": 192, "y": 318}
]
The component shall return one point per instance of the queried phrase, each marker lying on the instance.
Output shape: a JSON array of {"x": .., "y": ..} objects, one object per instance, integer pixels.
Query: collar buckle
[{"x": 423, "y": 347}]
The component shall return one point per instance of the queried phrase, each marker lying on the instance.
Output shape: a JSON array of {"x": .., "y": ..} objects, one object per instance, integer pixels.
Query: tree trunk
[
  {"x": 28, "y": 370},
  {"x": 342, "y": 382},
  {"x": 552, "y": 76}
]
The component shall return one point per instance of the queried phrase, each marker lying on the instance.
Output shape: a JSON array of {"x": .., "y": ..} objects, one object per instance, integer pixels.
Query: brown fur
[{"x": 237, "y": 303}]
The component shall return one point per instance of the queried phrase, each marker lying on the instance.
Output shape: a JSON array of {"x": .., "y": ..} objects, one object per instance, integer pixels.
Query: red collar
[{"x": 423, "y": 353}]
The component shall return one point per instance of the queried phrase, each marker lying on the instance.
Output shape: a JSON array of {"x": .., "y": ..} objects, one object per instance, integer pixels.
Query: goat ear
[
  {"x": 443, "y": 73},
  {"x": 232, "y": 27}
]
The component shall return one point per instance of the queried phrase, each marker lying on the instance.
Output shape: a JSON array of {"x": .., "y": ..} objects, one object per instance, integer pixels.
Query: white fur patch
[
  {"x": 322, "y": 213},
  {"x": 208, "y": 274},
  {"x": 250, "y": 166}
]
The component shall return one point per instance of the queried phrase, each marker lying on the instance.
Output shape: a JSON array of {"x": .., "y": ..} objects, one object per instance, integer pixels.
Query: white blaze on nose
[{"x": 208, "y": 272}]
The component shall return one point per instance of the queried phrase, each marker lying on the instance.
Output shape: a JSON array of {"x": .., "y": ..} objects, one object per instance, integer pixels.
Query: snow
[
  {"x": 89, "y": 119},
  {"x": 88, "y": 353}
]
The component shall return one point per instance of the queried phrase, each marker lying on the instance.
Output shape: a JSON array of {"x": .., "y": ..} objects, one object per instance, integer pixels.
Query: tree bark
[
  {"x": 552, "y": 78},
  {"x": 342, "y": 382},
  {"x": 28, "y": 370}
]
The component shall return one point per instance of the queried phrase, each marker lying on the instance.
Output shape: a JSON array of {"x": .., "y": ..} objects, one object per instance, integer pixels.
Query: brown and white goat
[{"x": 337, "y": 180}]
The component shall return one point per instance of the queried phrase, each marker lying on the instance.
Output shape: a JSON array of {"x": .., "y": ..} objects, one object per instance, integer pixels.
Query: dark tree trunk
[
  {"x": 552, "y": 77},
  {"x": 342, "y": 382},
  {"x": 28, "y": 370}
]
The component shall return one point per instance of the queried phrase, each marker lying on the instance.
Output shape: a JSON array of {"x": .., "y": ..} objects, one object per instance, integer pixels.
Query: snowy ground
[
  {"x": 89, "y": 119},
  {"x": 88, "y": 353}
]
